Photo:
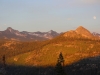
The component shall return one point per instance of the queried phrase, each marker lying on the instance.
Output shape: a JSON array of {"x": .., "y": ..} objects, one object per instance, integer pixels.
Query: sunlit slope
[
  {"x": 74, "y": 45},
  {"x": 72, "y": 50}
]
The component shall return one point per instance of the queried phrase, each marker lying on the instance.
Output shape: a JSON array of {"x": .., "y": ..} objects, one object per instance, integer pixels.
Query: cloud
[{"x": 94, "y": 17}]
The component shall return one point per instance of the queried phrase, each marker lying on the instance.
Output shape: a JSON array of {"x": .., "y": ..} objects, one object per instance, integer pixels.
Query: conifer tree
[
  {"x": 2, "y": 70},
  {"x": 60, "y": 65},
  {"x": 4, "y": 62},
  {"x": 61, "y": 59}
]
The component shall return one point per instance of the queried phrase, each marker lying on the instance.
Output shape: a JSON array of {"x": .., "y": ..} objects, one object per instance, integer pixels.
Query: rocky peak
[
  {"x": 80, "y": 31},
  {"x": 52, "y": 32},
  {"x": 9, "y": 29},
  {"x": 96, "y": 34},
  {"x": 83, "y": 31}
]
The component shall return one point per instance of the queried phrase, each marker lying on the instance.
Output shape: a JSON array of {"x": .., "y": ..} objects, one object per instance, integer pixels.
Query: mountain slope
[
  {"x": 83, "y": 31},
  {"x": 80, "y": 32},
  {"x": 73, "y": 49}
]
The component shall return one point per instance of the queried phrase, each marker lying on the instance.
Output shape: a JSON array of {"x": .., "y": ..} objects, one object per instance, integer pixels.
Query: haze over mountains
[{"x": 13, "y": 34}]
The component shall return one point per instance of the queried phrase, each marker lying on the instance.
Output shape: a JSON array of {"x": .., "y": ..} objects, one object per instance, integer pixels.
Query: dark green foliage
[
  {"x": 60, "y": 65},
  {"x": 4, "y": 61},
  {"x": 59, "y": 69},
  {"x": 61, "y": 59}
]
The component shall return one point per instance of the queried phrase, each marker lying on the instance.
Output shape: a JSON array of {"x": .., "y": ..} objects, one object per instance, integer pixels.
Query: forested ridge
[{"x": 12, "y": 48}]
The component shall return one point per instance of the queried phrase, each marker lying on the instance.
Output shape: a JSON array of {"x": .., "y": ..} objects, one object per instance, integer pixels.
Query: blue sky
[{"x": 45, "y": 15}]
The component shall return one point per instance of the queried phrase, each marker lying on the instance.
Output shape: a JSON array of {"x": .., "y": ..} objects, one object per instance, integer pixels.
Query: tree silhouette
[
  {"x": 60, "y": 65},
  {"x": 61, "y": 59},
  {"x": 2, "y": 70},
  {"x": 4, "y": 61}
]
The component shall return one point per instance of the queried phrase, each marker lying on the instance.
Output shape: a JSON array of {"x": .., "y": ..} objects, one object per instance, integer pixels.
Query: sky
[{"x": 45, "y": 15}]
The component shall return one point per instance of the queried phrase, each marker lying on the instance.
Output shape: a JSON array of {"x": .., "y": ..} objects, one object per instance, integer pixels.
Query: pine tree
[
  {"x": 60, "y": 65},
  {"x": 61, "y": 59},
  {"x": 4, "y": 62},
  {"x": 2, "y": 70}
]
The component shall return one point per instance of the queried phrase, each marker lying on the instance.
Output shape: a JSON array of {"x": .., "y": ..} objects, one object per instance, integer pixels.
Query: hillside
[
  {"x": 73, "y": 50},
  {"x": 74, "y": 45},
  {"x": 11, "y": 48}
]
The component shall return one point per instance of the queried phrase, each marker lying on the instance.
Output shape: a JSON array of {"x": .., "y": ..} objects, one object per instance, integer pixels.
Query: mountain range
[{"x": 13, "y": 34}]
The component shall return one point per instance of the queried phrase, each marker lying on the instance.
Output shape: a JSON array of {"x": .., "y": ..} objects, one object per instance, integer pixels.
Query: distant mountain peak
[
  {"x": 9, "y": 29},
  {"x": 81, "y": 28},
  {"x": 83, "y": 31},
  {"x": 79, "y": 31},
  {"x": 10, "y": 33},
  {"x": 51, "y": 31}
]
